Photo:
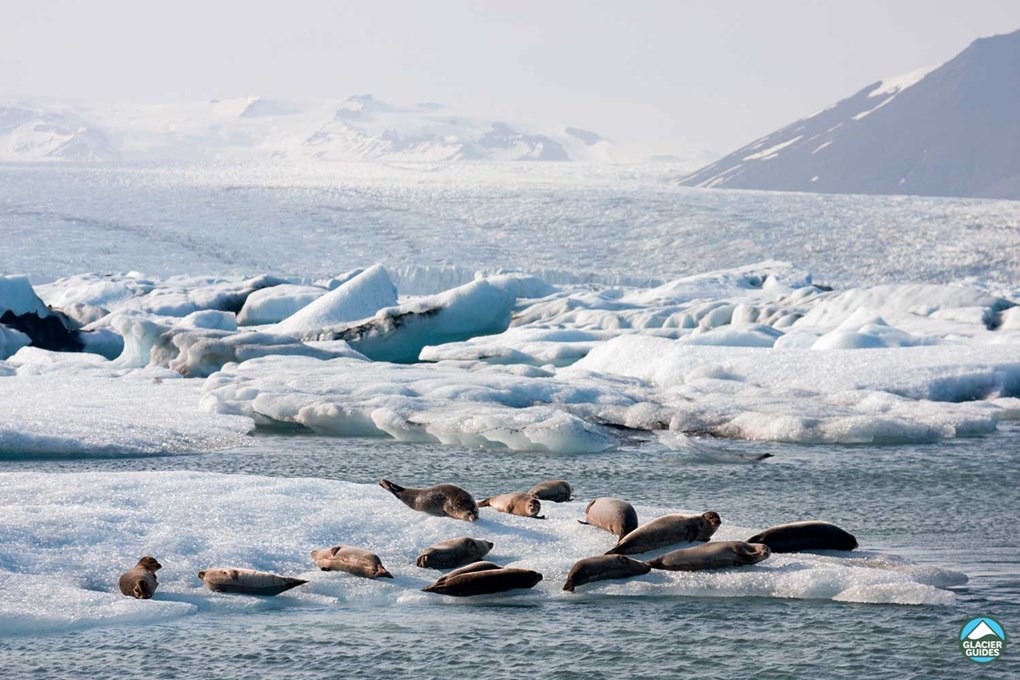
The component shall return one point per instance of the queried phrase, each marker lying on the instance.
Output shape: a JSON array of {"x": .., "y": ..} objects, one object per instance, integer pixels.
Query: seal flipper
[
  {"x": 484, "y": 503},
  {"x": 142, "y": 591},
  {"x": 581, "y": 521}
]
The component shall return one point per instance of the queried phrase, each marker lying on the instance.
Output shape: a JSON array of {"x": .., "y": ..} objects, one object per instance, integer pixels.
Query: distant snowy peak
[
  {"x": 34, "y": 133},
  {"x": 360, "y": 127},
  {"x": 943, "y": 131},
  {"x": 365, "y": 128}
]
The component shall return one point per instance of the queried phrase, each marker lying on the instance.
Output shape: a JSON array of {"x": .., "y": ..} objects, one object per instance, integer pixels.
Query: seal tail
[
  {"x": 615, "y": 550},
  {"x": 391, "y": 487},
  {"x": 484, "y": 503}
]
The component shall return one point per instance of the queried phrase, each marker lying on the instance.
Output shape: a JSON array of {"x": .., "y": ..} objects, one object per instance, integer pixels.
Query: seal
[
  {"x": 603, "y": 568},
  {"x": 555, "y": 490},
  {"x": 247, "y": 581},
  {"x": 485, "y": 582},
  {"x": 453, "y": 553},
  {"x": 442, "y": 500},
  {"x": 800, "y": 536},
  {"x": 517, "y": 503},
  {"x": 611, "y": 514},
  {"x": 667, "y": 530},
  {"x": 713, "y": 555},
  {"x": 469, "y": 569},
  {"x": 140, "y": 581},
  {"x": 350, "y": 560}
]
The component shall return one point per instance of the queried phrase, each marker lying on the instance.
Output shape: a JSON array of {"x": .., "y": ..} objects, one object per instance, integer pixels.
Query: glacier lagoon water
[{"x": 951, "y": 504}]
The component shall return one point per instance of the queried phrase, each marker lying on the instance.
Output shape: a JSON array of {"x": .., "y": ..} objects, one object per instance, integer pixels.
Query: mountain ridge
[{"x": 950, "y": 131}]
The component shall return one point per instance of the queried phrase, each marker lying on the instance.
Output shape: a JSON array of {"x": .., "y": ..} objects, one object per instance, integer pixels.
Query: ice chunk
[
  {"x": 482, "y": 307},
  {"x": 485, "y": 406},
  {"x": 202, "y": 343},
  {"x": 11, "y": 341},
  {"x": 358, "y": 298},
  {"x": 272, "y": 305}
]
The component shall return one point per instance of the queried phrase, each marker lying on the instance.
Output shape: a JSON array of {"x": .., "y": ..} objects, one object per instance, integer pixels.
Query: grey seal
[
  {"x": 517, "y": 503},
  {"x": 350, "y": 560},
  {"x": 442, "y": 500},
  {"x": 667, "y": 530},
  {"x": 555, "y": 490},
  {"x": 712, "y": 555},
  {"x": 602, "y": 568},
  {"x": 485, "y": 582},
  {"x": 247, "y": 581},
  {"x": 611, "y": 514},
  {"x": 453, "y": 553},
  {"x": 799, "y": 536},
  {"x": 140, "y": 581}
]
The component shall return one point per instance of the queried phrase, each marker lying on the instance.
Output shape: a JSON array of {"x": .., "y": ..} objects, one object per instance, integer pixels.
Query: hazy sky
[{"x": 697, "y": 75}]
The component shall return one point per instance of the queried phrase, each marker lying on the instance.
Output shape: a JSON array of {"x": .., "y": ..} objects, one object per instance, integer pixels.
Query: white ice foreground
[{"x": 65, "y": 539}]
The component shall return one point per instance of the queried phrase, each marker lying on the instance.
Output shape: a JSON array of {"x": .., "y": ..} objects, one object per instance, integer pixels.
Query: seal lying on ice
[
  {"x": 350, "y": 560},
  {"x": 611, "y": 514},
  {"x": 140, "y": 581},
  {"x": 555, "y": 490},
  {"x": 713, "y": 555},
  {"x": 453, "y": 553},
  {"x": 443, "y": 500},
  {"x": 517, "y": 503},
  {"x": 799, "y": 536},
  {"x": 485, "y": 582},
  {"x": 602, "y": 568},
  {"x": 247, "y": 581},
  {"x": 667, "y": 530}
]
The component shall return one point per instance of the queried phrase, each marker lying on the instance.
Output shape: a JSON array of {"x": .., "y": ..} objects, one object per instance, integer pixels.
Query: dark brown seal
[
  {"x": 443, "y": 500},
  {"x": 140, "y": 581},
  {"x": 453, "y": 553},
  {"x": 485, "y": 582},
  {"x": 800, "y": 536},
  {"x": 602, "y": 568}
]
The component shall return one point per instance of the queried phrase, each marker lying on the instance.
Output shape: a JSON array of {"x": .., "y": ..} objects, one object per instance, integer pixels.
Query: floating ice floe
[
  {"x": 71, "y": 404},
  {"x": 65, "y": 539},
  {"x": 520, "y": 408}
]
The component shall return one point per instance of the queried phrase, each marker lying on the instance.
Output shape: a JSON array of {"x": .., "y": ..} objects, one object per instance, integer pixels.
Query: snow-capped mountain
[
  {"x": 27, "y": 132},
  {"x": 358, "y": 128},
  {"x": 947, "y": 131}
]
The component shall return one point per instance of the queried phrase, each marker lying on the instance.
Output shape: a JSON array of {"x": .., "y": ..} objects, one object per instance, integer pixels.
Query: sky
[{"x": 669, "y": 76}]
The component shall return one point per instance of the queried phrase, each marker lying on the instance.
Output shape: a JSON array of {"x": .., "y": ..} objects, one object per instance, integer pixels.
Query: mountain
[
  {"x": 31, "y": 133},
  {"x": 948, "y": 131},
  {"x": 358, "y": 128}
]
